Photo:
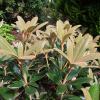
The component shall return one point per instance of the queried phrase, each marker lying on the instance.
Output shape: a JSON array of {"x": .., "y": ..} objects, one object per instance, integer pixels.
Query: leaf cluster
[{"x": 52, "y": 64}]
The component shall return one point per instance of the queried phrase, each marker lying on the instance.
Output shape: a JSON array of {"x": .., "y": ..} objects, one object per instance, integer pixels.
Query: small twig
[
  {"x": 61, "y": 96},
  {"x": 28, "y": 35},
  {"x": 64, "y": 81},
  {"x": 65, "y": 65},
  {"x": 32, "y": 61},
  {"x": 46, "y": 58},
  {"x": 52, "y": 42},
  {"x": 30, "y": 97},
  {"x": 23, "y": 38},
  {"x": 70, "y": 68}
]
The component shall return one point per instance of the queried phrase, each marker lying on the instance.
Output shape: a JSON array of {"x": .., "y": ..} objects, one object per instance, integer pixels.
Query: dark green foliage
[
  {"x": 35, "y": 8},
  {"x": 84, "y": 12},
  {"x": 71, "y": 97},
  {"x": 9, "y": 9},
  {"x": 6, "y": 93}
]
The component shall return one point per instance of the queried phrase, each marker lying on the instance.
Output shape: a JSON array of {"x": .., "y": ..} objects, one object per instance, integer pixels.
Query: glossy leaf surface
[
  {"x": 81, "y": 80},
  {"x": 38, "y": 76},
  {"x": 75, "y": 70},
  {"x": 71, "y": 97},
  {"x": 54, "y": 62},
  {"x": 33, "y": 84},
  {"x": 14, "y": 70},
  {"x": 94, "y": 91},
  {"x": 54, "y": 78},
  {"x": 16, "y": 84},
  {"x": 25, "y": 67},
  {"x": 61, "y": 88},
  {"x": 6, "y": 93},
  {"x": 30, "y": 90}
]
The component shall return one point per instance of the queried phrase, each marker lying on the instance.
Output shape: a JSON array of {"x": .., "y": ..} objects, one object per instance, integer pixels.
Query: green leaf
[
  {"x": 25, "y": 97},
  {"x": 94, "y": 91},
  {"x": 57, "y": 72},
  {"x": 30, "y": 90},
  {"x": 71, "y": 97},
  {"x": 61, "y": 88},
  {"x": 4, "y": 60},
  {"x": 6, "y": 78},
  {"x": 70, "y": 87},
  {"x": 73, "y": 72},
  {"x": 38, "y": 76},
  {"x": 63, "y": 60},
  {"x": 25, "y": 67},
  {"x": 6, "y": 93},
  {"x": 84, "y": 72},
  {"x": 81, "y": 80},
  {"x": 14, "y": 86},
  {"x": 78, "y": 86},
  {"x": 19, "y": 83},
  {"x": 14, "y": 70},
  {"x": 45, "y": 97},
  {"x": 33, "y": 84},
  {"x": 54, "y": 62},
  {"x": 54, "y": 78}
]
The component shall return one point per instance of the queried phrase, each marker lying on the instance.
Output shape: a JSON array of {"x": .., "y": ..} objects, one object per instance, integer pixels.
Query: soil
[{"x": 14, "y": 32}]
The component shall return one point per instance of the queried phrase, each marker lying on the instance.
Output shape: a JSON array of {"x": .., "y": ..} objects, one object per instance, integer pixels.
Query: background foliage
[
  {"x": 5, "y": 32},
  {"x": 9, "y": 9},
  {"x": 84, "y": 12}
]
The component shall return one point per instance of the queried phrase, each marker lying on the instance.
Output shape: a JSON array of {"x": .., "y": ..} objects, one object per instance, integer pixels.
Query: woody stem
[
  {"x": 46, "y": 58},
  {"x": 61, "y": 55},
  {"x": 21, "y": 64}
]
